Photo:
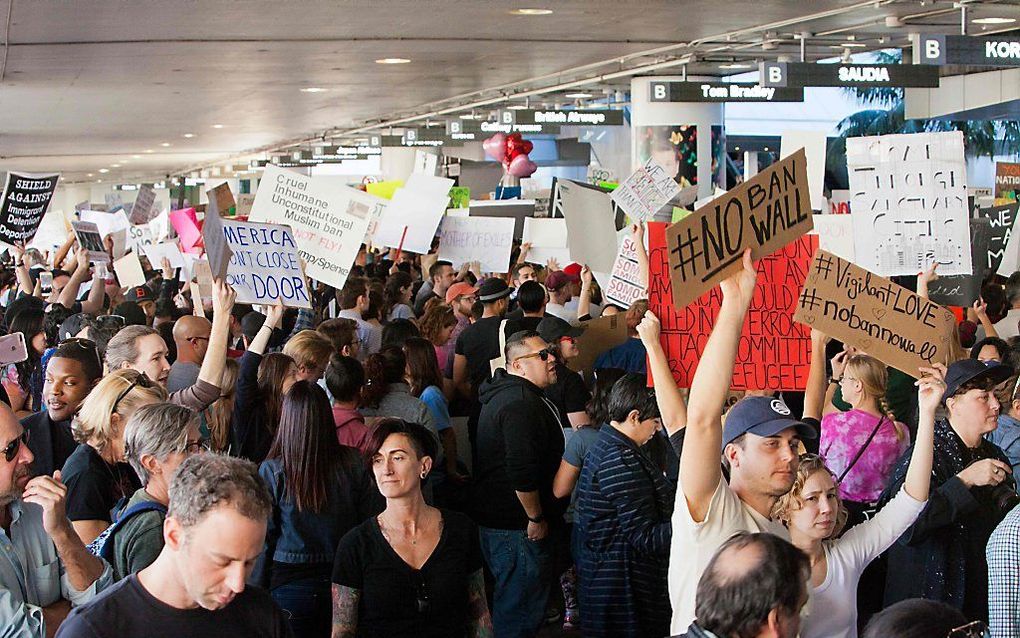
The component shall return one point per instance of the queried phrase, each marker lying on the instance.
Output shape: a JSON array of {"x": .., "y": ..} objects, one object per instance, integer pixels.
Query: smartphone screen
[{"x": 46, "y": 281}]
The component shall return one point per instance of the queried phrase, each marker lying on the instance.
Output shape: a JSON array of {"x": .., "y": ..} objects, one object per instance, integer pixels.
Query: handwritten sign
[
  {"x": 1003, "y": 219},
  {"x": 909, "y": 203},
  {"x": 25, "y": 199},
  {"x": 763, "y": 214},
  {"x": 468, "y": 239},
  {"x": 773, "y": 352},
  {"x": 143, "y": 208},
  {"x": 963, "y": 290},
  {"x": 873, "y": 314},
  {"x": 223, "y": 199},
  {"x": 244, "y": 203},
  {"x": 185, "y": 223},
  {"x": 646, "y": 191},
  {"x": 839, "y": 202},
  {"x": 90, "y": 239},
  {"x": 548, "y": 239},
  {"x": 1007, "y": 182},
  {"x": 625, "y": 284},
  {"x": 329, "y": 219},
  {"x": 265, "y": 266}
]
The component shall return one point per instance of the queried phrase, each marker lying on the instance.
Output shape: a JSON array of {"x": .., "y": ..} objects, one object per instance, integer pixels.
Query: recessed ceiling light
[
  {"x": 149, "y": 150},
  {"x": 392, "y": 61},
  {"x": 578, "y": 96},
  {"x": 734, "y": 65},
  {"x": 530, "y": 12},
  {"x": 104, "y": 170},
  {"x": 136, "y": 156},
  {"x": 165, "y": 144},
  {"x": 99, "y": 181},
  {"x": 114, "y": 165},
  {"x": 313, "y": 89},
  {"x": 993, "y": 20},
  {"x": 217, "y": 126},
  {"x": 89, "y": 175},
  {"x": 189, "y": 135}
]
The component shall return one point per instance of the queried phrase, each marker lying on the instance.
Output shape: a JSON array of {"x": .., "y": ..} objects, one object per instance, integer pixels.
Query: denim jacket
[{"x": 304, "y": 537}]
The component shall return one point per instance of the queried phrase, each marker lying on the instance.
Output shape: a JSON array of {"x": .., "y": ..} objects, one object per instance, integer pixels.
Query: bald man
[{"x": 191, "y": 334}]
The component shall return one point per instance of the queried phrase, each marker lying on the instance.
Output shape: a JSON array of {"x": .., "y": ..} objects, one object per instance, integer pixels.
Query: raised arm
[
  {"x": 93, "y": 304},
  {"x": 58, "y": 257},
  {"x": 638, "y": 237},
  {"x": 700, "y": 470},
  {"x": 584, "y": 299},
  {"x": 814, "y": 393},
  {"x": 672, "y": 407},
  {"x": 929, "y": 393},
  {"x": 924, "y": 278},
  {"x": 274, "y": 318},
  {"x": 838, "y": 365},
  {"x": 70, "y": 292},
  {"x": 21, "y": 270},
  {"x": 980, "y": 312},
  {"x": 216, "y": 355}
]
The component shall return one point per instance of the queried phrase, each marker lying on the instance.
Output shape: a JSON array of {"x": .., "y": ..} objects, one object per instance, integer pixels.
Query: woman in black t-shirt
[{"x": 414, "y": 570}]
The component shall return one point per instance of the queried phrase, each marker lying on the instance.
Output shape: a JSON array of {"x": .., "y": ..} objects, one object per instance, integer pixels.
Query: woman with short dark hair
[{"x": 414, "y": 570}]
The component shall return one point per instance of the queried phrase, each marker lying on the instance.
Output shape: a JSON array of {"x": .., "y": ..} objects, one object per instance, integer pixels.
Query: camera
[{"x": 1004, "y": 495}]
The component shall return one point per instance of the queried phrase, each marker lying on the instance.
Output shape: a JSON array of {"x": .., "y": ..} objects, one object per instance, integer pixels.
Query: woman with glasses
[
  {"x": 862, "y": 444},
  {"x": 568, "y": 393},
  {"x": 320, "y": 491},
  {"x": 156, "y": 441},
  {"x": 814, "y": 513},
  {"x": 96, "y": 475},
  {"x": 413, "y": 570}
]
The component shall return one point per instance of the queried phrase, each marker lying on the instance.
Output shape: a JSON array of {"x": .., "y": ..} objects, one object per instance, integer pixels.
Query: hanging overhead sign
[
  {"x": 722, "y": 92},
  {"x": 809, "y": 74},
  {"x": 564, "y": 117},
  {"x": 966, "y": 49}
]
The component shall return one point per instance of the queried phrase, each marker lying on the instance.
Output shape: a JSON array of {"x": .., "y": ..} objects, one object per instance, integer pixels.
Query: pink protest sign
[{"x": 185, "y": 222}]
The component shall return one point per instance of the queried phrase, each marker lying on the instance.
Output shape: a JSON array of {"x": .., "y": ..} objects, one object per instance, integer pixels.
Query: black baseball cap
[
  {"x": 553, "y": 329},
  {"x": 763, "y": 416},
  {"x": 967, "y": 370},
  {"x": 71, "y": 326},
  {"x": 493, "y": 289}
]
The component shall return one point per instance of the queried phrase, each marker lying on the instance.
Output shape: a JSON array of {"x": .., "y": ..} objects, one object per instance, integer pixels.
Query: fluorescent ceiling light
[
  {"x": 578, "y": 96},
  {"x": 848, "y": 45},
  {"x": 734, "y": 65},
  {"x": 104, "y": 170},
  {"x": 189, "y": 135},
  {"x": 149, "y": 150},
  {"x": 313, "y": 89},
  {"x": 217, "y": 126},
  {"x": 136, "y": 156},
  {"x": 165, "y": 144},
  {"x": 517, "y": 107},
  {"x": 530, "y": 12},
  {"x": 89, "y": 175},
  {"x": 392, "y": 61},
  {"x": 993, "y": 20}
]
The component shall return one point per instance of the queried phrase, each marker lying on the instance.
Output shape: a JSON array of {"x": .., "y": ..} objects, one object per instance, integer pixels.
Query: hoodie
[{"x": 519, "y": 447}]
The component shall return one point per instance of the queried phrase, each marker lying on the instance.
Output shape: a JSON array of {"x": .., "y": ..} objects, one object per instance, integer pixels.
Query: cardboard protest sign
[
  {"x": 223, "y": 198},
  {"x": 329, "y": 220},
  {"x": 909, "y": 203},
  {"x": 876, "y": 316},
  {"x": 773, "y": 352},
  {"x": 835, "y": 234},
  {"x": 647, "y": 190},
  {"x": 129, "y": 271},
  {"x": 764, "y": 214},
  {"x": 143, "y": 209},
  {"x": 26, "y": 197},
  {"x": 813, "y": 143},
  {"x": 170, "y": 250},
  {"x": 216, "y": 249},
  {"x": 548, "y": 239},
  {"x": 468, "y": 239},
  {"x": 413, "y": 215},
  {"x": 963, "y": 290},
  {"x": 1007, "y": 182},
  {"x": 591, "y": 227},
  {"x": 1003, "y": 220},
  {"x": 265, "y": 266},
  {"x": 185, "y": 223},
  {"x": 244, "y": 203},
  {"x": 90, "y": 239},
  {"x": 625, "y": 282},
  {"x": 599, "y": 335},
  {"x": 204, "y": 279}
]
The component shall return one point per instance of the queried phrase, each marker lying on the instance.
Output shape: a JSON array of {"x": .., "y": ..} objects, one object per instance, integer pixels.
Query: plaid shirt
[{"x": 1003, "y": 554}]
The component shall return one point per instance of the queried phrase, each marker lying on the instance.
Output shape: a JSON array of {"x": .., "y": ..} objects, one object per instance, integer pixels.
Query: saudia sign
[
  {"x": 965, "y": 49},
  {"x": 799, "y": 74}
]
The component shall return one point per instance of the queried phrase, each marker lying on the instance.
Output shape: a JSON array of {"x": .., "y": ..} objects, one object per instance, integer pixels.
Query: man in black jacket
[{"x": 519, "y": 446}]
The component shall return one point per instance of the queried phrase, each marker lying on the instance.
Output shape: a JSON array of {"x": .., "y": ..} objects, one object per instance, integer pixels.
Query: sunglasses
[
  {"x": 140, "y": 381},
  {"x": 542, "y": 354},
  {"x": 976, "y": 629},
  {"x": 14, "y": 446},
  {"x": 421, "y": 595},
  {"x": 84, "y": 344}
]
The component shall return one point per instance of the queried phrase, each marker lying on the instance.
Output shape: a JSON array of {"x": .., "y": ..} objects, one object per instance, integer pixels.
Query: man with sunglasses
[
  {"x": 191, "y": 336},
  {"x": 43, "y": 564},
  {"x": 568, "y": 393},
  {"x": 519, "y": 445}
]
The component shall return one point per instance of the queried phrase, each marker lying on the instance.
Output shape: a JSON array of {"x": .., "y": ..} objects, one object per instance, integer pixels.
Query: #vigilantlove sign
[
  {"x": 876, "y": 316},
  {"x": 763, "y": 214}
]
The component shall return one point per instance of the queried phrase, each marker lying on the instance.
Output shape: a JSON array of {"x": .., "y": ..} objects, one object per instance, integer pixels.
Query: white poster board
[
  {"x": 646, "y": 191},
  {"x": 591, "y": 228},
  {"x": 835, "y": 234},
  {"x": 170, "y": 250},
  {"x": 265, "y": 266},
  {"x": 129, "y": 271},
  {"x": 548, "y": 239},
  {"x": 625, "y": 282},
  {"x": 329, "y": 219},
  {"x": 813, "y": 143},
  {"x": 909, "y": 203},
  {"x": 485, "y": 240},
  {"x": 414, "y": 213}
]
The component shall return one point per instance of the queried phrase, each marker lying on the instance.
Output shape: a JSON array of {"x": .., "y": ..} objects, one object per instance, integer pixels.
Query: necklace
[{"x": 413, "y": 537}]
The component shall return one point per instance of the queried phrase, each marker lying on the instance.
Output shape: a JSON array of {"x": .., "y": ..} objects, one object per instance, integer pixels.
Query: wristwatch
[
  {"x": 835, "y": 380},
  {"x": 537, "y": 519}
]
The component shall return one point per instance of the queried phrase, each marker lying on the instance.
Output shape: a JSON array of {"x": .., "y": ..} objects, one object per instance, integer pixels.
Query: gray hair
[
  {"x": 159, "y": 430},
  {"x": 123, "y": 346},
  {"x": 206, "y": 481}
]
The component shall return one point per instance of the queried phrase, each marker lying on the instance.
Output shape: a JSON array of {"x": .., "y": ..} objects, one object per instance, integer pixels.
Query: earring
[{"x": 424, "y": 474}]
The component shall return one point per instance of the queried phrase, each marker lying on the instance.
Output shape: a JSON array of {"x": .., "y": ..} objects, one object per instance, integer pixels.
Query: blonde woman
[
  {"x": 217, "y": 417},
  {"x": 861, "y": 446},
  {"x": 96, "y": 474},
  {"x": 814, "y": 514}
]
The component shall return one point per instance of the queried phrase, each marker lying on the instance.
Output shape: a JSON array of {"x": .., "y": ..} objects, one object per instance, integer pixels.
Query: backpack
[{"x": 102, "y": 547}]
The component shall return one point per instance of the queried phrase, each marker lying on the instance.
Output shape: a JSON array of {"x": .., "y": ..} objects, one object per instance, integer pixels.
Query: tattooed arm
[
  {"x": 479, "y": 620},
  {"x": 345, "y": 611}
]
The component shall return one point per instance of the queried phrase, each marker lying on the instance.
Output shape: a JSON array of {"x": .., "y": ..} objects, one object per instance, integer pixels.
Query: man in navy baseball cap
[{"x": 764, "y": 417}]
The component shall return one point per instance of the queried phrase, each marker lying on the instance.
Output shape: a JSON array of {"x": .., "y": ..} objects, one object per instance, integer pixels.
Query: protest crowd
[{"x": 233, "y": 446}]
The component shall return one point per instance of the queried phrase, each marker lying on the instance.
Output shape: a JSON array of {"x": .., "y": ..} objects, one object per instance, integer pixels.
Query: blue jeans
[
  {"x": 308, "y": 604},
  {"x": 523, "y": 572}
]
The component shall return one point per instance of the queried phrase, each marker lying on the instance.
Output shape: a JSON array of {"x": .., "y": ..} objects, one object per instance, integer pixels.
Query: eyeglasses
[
  {"x": 422, "y": 601},
  {"x": 85, "y": 344},
  {"x": 542, "y": 354},
  {"x": 140, "y": 381},
  {"x": 976, "y": 629},
  {"x": 198, "y": 338},
  {"x": 14, "y": 446},
  {"x": 197, "y": 447}
]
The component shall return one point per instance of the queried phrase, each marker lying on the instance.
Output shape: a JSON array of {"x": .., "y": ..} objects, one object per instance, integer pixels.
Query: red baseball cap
[{"x": 458, "y": 289}]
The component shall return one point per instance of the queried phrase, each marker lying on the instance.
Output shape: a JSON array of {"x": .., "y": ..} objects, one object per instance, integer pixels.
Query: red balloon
[{"x": 516, "y": 145}]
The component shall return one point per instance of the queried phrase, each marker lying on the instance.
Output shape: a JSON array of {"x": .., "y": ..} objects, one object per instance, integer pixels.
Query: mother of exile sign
[
  {"x": 265, "y": 267},
  {"x": 773, "y": 352},
  {"x": 763, "y": 214},
  {"x": 874, "y": 315}
]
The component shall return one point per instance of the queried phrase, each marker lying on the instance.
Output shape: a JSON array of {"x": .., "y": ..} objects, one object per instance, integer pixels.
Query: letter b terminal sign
[{"x": 773, "y": 74}]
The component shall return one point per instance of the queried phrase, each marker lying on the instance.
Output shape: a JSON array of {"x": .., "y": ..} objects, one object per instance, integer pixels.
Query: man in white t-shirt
[{"x": 760, "y": 445}]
